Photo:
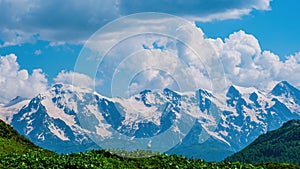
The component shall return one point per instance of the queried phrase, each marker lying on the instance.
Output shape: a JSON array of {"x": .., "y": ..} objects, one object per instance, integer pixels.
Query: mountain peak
[
  {"x": 168, "y": 92},
  {"x": 287, "y": 90},
  {"x": 233, "y": 92},
  {"x": 284, "y": 82},
  {"x": 145, "y": 92},
  {"x": 282, "y": 88},
  {"x": 58, "y": 85},
  {"x": 205, "y": 92}
]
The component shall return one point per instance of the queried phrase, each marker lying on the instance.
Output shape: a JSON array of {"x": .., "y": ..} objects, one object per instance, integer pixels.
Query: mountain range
[{"x": 196, "y": 124}]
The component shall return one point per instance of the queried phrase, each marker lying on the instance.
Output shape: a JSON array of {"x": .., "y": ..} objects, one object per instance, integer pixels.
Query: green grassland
[
  {"x": 104, "y": 159},
  {"x": 18, "y": 152}
]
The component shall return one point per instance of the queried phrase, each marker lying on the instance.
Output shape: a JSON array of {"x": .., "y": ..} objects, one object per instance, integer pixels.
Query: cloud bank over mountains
[
  {"x": 74, "y": 21},
  {"x": 245, "y": 64},
  {"x": 15, "y": 82}
]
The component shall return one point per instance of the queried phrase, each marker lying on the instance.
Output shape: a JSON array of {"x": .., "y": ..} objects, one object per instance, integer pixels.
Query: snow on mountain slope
[
  {"x": 69, "y": 116},
  {"x": 136, "y": 109},
  {"x": 8, "y": 110},
  {"x": 287, "y": 94}
]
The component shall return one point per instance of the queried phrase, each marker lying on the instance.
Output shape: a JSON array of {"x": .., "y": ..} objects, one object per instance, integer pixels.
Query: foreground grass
[
  {"x": 11, "y": 142},
  {"x": 104, "y": 159},
  {"x": 18, "y": 152}
]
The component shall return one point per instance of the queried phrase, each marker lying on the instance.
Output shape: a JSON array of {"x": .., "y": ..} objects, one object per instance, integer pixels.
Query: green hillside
[
  {"x": 12, "y": 142},
  {"x": 281, "y": 145},
  {"x": 18, "y": 152}
]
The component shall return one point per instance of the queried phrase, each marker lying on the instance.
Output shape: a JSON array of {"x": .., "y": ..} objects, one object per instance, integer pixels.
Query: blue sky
[
  {"x": 49, "y": 35},
  {"x": 277, "y": 29}
]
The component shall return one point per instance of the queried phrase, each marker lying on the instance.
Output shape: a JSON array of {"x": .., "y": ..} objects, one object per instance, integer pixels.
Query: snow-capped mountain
[{"x": 67, "y": 118}]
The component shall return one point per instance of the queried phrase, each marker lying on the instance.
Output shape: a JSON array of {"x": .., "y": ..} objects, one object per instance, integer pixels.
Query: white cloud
[
  {"x": 289, "y": 70},
  {"x": 245, "y": 64},
  {"x": 58, "y": 21},
  {"x": 204, "y": 10},
  {"x": 15, "y": 82},
  {"x": 38, "y": 52},
  {"x": 153, "y": 80},
  {"x": 168, "y": 44},
  {"x": 149, "y": 69},
  {"x": 73, "y": 22},
  {"x": 76, "y": 79},
  {"x": 224, "y": 15}
]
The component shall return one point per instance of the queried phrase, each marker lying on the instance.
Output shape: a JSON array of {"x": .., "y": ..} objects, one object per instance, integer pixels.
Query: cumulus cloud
[
  {"x": 289, "y": 70},
  {"x": 76, "y": 79},
  {"x": 153, "y": 80},
  {"x": 74, "y": 21},
  {"x": 245, "y": 64},
  {"x": 19, "y": 82},
  {"x": 151, "y": 69},
  {"x": 15, "y": 82},
  {"x": 175, "y": 60},
  {"x": 169, "y": 65}
]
